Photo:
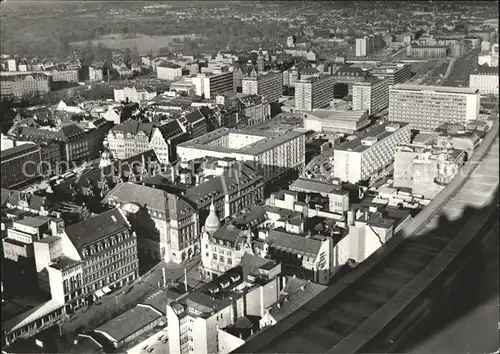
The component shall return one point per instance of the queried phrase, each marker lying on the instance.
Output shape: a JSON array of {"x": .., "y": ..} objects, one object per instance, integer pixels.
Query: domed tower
[
  {"x": 106, "y": 155},
  {"x": 212, "y": 223}
]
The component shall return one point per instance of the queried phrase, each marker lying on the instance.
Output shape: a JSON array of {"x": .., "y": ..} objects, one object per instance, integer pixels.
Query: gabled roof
[
  {"x": 285, "y": 240},
  {"x": 97, "y": 227},
  {"x": 134, "y": 127},
  {"x": 171, "y": 129},
  {"x": 194, "y": 116}
]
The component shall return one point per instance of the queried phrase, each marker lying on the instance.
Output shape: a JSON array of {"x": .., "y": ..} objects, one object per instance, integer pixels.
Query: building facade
[
  {"x": 65, "y": 75},
  {"x": 370, "y": 153},
  {"x": 210, "y": 85},
  {"x": 276, "y": 154},
  {"x": 397, "y": 73},
  {"x": 315, "y": 92},
  {"x": 169, "y": 71},
  {"x": 269, "y": 85},
  {"x": 20, "y": 165},
  {"x": 22, "y": 85},
  {"x": 371, "y": 95},
  {"x": 336, "y": 121},
  {"x": 427, "y": 52},
  {"x": 427, "y": 107},
  {"x": 485, "y": 79}
]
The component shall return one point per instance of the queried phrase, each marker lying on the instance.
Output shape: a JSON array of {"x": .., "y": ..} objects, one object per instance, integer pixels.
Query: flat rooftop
[
  {"x": 267, "y": 141},
  {"x": 377, "y": 131},
  {"x": 438, "y": 89},
  {"x": 348, "y": 115}
]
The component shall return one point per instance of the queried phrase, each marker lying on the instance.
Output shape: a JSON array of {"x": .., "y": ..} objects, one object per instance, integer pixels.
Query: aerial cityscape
[{"x": 249, "y": 177}]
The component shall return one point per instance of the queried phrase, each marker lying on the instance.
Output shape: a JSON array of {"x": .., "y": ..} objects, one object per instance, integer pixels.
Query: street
[
  {"x": 459, "y": 75},
  {"x": 111, "y": 305}
]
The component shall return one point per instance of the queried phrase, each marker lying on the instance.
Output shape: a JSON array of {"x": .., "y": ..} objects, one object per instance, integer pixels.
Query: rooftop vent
[
  {"x": 392, "y": 127},
  {"x": 369, "y": 141}
]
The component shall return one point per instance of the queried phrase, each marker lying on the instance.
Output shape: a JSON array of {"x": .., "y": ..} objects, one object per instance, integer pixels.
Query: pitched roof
[
  {"x": 194, "y": 116},
  {"x": 135, "y": 193},
  {"x": 171, "y": 129},
  {"x": 97, "y": 227},
  {"x": 251, "y": 263},
  {"x": 280, "y": 239},
  {"x": 134, "y": 127}
]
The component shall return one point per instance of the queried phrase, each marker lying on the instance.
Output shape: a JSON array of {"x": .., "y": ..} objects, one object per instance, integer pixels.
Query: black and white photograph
[{"x": 216, "y": 177}]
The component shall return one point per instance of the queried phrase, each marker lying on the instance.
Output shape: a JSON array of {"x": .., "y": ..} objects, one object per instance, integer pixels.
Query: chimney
[{"x": 261, "y": 302}]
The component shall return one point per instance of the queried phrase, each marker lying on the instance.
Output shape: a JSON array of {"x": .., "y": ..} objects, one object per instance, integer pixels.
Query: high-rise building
[
  {"x": 369, "y": 44},
  {"x": 314, "y": 92},
  {"x": 371, "y": 95},
  {"x": 370, "y": 153},
  {"x": 485, "y": 79},
  {"x": 427, "y": 107},
  {"x": 268, "y": 85},
  {"x": 211, "y": 85}
]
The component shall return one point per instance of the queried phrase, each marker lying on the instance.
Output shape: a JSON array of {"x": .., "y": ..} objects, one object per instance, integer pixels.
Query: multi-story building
[
  {"x": 427, "y": 52},
  {"x": 168, "y": 71},
  {"x": 195, "y": 123},
  {"x": 135, "y": 94},
  {"x": 336, "y": 121},
  {"x": 485, "y": 79},
  {"x": 254, "y": 110},
  {"x": 166, "y": 225},
  {"x": 276, "y": 154},
  {"x": 107, "y": 246},
  {"x": 11, "y": 65},
  {"x": 371, "y": 95},
  {"x": 315, "y": 92},
  {"x": 210, "y": 85},
  {"x": 396, "y": 73},
  {"x": 65, "y": 75},
  {"x": 27, "y": 84},
  {"x": 370, "y": 153},
  {"x": 345, "y": 77},
  {"x": 269, "y": 85},
  {"x": 20, "y": 165},
  {"x": 95, "y": 74},
  {"x": 232, "y": 187},
  {"x": 132, "y": 137},
  {"x": 427, "y": 107},
  {"x": 426, "y": 171},
  {"x": 196, "y": 321},
  {"x": 369, "y": 44}
]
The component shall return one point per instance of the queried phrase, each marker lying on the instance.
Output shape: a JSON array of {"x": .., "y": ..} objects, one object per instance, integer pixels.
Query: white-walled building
[
  {"x": 369, "y": 153},
  {"x": 210, "y": 85},
  {"x": 168, "y": 71},
  {"x": 336, "y": 121},
  {"x": 275, "y": 153},
  {"x": 485, "y": 79},
  {"x": 135, "y": 94},
  {"x": 427, "y": 107},
  {"x": 371, "y": 95}
]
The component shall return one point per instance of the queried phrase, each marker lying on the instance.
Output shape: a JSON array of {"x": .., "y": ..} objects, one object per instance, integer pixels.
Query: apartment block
[
  {"x": 210, "y": 85},
  {"x": 396, "y": 73},
  {"x": 367, "y": 155},
  {"x": 276, "y": 154},
  {"x": 371, "y": 95},
  {"x": 369, "y": 44},
  {"x": 427, "y": 52},
  {"x": 20, "y": 165},
  {"x": 314, "y": 92},
  {"x": 269, "y": 85},
  {"x": 25, "y": 84},
  {"x": 427, "y": 107},
  {"x": 168, "y": 71}
]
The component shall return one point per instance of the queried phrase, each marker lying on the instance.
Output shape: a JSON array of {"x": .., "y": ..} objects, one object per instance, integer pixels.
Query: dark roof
[
  {"x": 169, "y": 65},
  {"x": 129, "y": 322},
  {"x": 134, "y": 127},
  {"x": 171, "y": 129},
  {"x": 97, "y": 227},
  {"x": 194, "y": 116},
  {"x": 70, "y": 131},
  {"x": 14, "y": 150},
  {"x": 486, "y": 70},
  {"x": 295, "y": 242}
]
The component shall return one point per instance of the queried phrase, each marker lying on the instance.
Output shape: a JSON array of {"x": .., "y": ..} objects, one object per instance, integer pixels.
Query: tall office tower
[
  {"x": 361, "y": 44},
  {"x": 212, "y": 84},
  {"x": 269, "y": 85},
  {"x": 427, "y": 107},
  {"x": 314, "y": 92},
  {"x": 371, "y": 95}
]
